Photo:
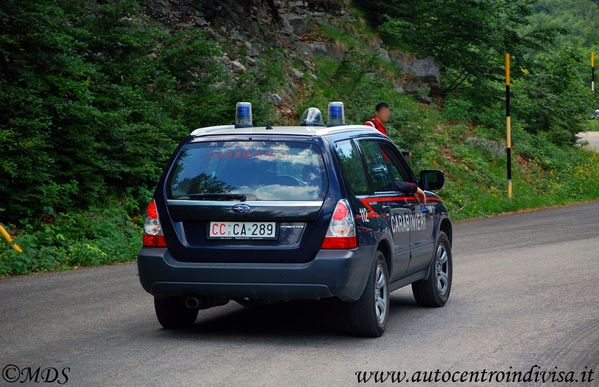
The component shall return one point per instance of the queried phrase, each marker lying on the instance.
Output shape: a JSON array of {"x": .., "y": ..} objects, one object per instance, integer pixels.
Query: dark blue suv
[{"x": 259, "y": 214}]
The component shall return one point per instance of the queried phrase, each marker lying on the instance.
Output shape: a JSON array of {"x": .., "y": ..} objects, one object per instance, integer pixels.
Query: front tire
[
  {"x": 434, "y": 291},
  {"x": 173, "y": 314},
  {"x": 368, "y": 315}
]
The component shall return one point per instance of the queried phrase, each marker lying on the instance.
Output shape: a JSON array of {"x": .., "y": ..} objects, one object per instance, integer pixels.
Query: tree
[
  {"x": 467, "y": 37},
  {"x": 553, "y": 97},
  {"x": 580, "y": 18},
  {"x": 92, "y": 101}
]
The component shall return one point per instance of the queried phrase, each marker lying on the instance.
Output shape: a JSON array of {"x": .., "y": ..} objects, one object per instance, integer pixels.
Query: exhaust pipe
[{"x": 192, "y": 303}]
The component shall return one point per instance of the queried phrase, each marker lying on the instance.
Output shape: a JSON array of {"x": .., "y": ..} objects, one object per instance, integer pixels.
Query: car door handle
[{"x": 386, "y": 209}]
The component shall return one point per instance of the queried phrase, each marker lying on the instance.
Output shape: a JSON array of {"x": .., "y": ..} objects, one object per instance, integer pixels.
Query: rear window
[{"x": 258, "y": 170}]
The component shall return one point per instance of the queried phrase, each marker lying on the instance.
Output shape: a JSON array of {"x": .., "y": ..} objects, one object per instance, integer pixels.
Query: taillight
[
  {"x": 341, "y": 233},
  {"x": 153, "y": 236}
]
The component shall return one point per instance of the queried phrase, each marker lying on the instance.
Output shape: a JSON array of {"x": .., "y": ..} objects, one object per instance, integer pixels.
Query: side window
[
  {"x": 351, "y": 166},
  {"x": 378, "y": 166},
  {"x": 397, "y": 170}
]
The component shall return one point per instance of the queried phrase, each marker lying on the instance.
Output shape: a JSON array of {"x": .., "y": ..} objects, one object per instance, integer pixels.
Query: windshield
[{"x": 248, "y": 170}]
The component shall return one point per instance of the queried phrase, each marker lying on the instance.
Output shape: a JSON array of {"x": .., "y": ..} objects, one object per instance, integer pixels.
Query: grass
[
  {"x": 593, "y": 125},
  {"x": 543, "y": 174}
]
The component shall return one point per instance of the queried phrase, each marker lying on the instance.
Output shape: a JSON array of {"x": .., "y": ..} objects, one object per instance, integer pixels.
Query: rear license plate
[{"x": 242, "y": 230}]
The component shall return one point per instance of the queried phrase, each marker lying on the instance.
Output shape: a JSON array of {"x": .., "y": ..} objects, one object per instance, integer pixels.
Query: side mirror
[
  {"x": 431, "y": 180},
  {"x": 406, "y": 153}
]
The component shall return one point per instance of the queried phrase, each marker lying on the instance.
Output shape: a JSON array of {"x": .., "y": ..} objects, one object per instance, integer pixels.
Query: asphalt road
[
  {"x": 525, "y": 292},
  {"x": 592, "y": 138}
]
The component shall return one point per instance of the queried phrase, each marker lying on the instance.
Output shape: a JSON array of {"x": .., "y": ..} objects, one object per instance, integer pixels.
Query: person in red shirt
[{"x": 381, "y": 117}]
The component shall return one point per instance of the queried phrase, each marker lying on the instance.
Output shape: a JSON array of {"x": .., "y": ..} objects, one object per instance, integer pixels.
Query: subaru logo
[{"x": 241, "y": 208}]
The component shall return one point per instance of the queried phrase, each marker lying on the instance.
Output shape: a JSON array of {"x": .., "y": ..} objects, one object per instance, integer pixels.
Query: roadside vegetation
[{"x": 92, "y": 106}]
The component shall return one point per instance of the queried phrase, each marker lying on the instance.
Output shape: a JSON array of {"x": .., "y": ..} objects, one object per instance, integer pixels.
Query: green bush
[
  {"x": 93, "y": 100},
  {"x": 457, "y": 109},
  {"x": 96, "y": 236}
]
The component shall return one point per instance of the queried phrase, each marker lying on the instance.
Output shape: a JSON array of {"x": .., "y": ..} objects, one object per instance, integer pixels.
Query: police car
[{"x": 256, "y": 214}]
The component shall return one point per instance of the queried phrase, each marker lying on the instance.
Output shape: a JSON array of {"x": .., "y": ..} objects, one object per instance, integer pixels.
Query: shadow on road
[{"x": 292, "y": 319}]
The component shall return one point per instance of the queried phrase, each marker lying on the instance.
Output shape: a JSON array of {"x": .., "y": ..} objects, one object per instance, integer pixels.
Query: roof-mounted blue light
[
  {"x": 243, "y": 115},
  {"x": 336, "y": 114}
]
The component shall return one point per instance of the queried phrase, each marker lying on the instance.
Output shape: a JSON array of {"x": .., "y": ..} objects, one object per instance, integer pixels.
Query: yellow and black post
[
  {"x": 9, "y": 239},
  {"x": 508, "y": 138}
]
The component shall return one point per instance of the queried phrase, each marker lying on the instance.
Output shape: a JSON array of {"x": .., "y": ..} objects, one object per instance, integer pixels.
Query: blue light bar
[
  {"x": 243, "y": 115},
  {"x": 336, "y": 114}
]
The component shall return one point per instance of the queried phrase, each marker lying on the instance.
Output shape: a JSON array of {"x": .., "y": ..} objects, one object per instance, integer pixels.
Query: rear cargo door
[{"x": 246, "y": 200}]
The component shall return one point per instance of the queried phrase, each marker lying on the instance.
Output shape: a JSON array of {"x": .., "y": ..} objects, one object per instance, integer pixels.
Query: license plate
[{"x": 243, "y": 230}]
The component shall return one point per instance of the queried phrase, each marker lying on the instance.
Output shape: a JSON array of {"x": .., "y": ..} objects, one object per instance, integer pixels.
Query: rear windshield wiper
[{"x": 214, "y": 196}]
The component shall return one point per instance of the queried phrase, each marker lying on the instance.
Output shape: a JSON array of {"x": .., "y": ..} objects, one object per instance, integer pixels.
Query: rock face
[
  {"x": 421, "y": 73},
  {"x": 314, "y": 48},
  {"x": 489, "y": 146},
  {"x": 253, "y": 26},
  {"x": 294, "y": 23},
  {"x": 418, "y": 67}
]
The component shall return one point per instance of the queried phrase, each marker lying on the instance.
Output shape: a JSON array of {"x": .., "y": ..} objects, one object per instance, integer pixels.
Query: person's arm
[
  {"x": 406, "y": 187},
  {"x": 411, "y": 188}
]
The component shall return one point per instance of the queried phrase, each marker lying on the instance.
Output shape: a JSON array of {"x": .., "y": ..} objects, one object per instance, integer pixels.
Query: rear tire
[
  {"x": 368, "y": 315},
  {"x": 172, "y": 313},
  {"x": 434, "y": 291}
]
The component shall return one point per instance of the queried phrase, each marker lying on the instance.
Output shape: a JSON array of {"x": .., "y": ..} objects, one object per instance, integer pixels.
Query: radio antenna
[{"x": 268, "y": 115}]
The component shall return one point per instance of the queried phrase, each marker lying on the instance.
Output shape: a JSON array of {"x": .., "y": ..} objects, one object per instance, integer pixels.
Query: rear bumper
[{"x": 332, "y": 273}]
